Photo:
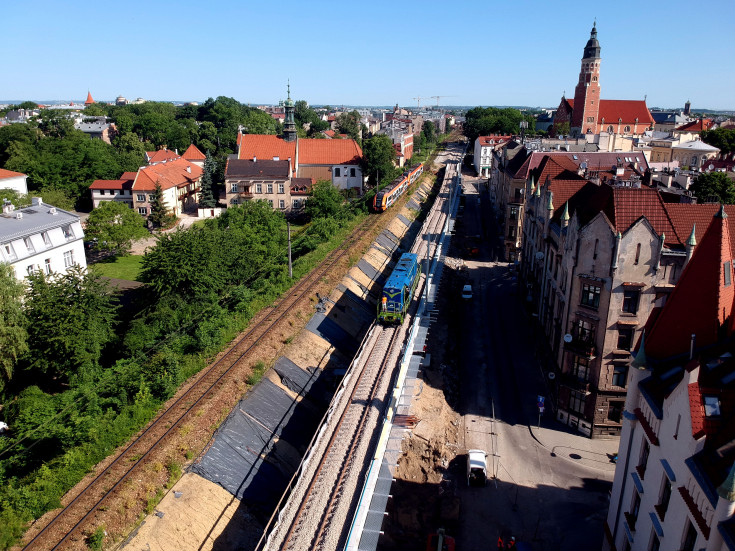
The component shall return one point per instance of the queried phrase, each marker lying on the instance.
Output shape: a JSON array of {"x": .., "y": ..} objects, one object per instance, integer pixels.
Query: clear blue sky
[{"x": 482, "y": 52}]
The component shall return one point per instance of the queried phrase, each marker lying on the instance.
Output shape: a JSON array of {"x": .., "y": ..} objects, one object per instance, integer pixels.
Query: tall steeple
[
  {"x": 587, "y": 93},
  {"x": 289, "y": 125}
]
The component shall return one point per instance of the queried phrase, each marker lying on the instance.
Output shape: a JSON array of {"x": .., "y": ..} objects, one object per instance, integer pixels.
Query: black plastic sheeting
[
  {"x": 403, "y": 219},
  {"x": 245, "y": 458},
  {"x": 331, "y": 332},
  {"x": 367, "y": 269},
  {"x": 354, "y": 306},
  {"x": 386, "y": 242},
  {"x": 413, "y": 205}
]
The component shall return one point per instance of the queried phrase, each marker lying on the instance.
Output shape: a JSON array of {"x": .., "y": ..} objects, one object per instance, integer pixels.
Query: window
[
  {"x": 102, "y": 192},
  {"x": 635, "y": 508},
  {"x": 352, "y": 173},
  {"x": 336, "y": 172},
  {"x": 615, "y": 411},
  {"x": 591, "y": 295},
  {"x": 728, "y": 272},
  {"x": 581, "y": 368},
  {"x": 68, "y": 232},
  {"x": 68, "y": 259},
  {"x": 234, "y": 188},
  {"x": 690, "y": 537},
  {"x": 631, "y": 297},
  {"x": 643, "y": 462},
  {"x": 576, "y": 401},
  {"x": 46, "y": 240},
  {"x": 637, "y": 254},
  {"x": 9, "y": 251},
  {"x": 625, "y": 338},
  {"x": 711, "y": 406},
  {"x": 514, "y": 213},
  {"x": 610, "y": 129},
  {"x": 281, "y": 188},
  {"x": 694, "y": 161},
  {"x": 626, "y": 129},
  {"x": 142, "y": 210},
  {"x": 29, "y": 245},
  {"x": 584, "y": 331},
  {"x": 258, "y": 188},
  {"x": 29, "y": 269},
  {"x": 296, "y": 203},
  {"x": 663, "y": 503},
  {"x": 594, "y": 252},
  {"x": 281, "y": 204},
  {"x": 512, "y": 232},
  {"x": 590, "y": 119},
  {"x": 47, "y": 266},
  {"x": 140, "y": 197},
  {"x": 620, "y": 375},
  {"x": 269, "y": 188}
]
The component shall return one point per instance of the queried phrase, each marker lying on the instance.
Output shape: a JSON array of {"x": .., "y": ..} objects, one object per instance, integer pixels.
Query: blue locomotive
[{"x": 398, "y": 290}]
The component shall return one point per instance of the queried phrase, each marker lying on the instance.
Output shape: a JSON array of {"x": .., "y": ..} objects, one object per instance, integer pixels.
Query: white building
[
  {"x": 40, "y": 237},
  {"x": 484, "y": 147},
  {"x": 13, "y": 180}
]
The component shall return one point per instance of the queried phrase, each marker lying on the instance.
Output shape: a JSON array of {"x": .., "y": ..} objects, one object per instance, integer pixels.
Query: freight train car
[
  {"x": 398, "y": 289},
  {"x": 389, "y": 194}
]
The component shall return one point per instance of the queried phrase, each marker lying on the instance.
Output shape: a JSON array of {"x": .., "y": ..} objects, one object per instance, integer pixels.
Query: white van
[{"x": 476, "y": 468}]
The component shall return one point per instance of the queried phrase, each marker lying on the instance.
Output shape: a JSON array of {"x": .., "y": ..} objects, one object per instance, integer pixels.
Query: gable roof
[
  {"x": 161, "y": 156},
  {"x": 124, "y": 182},
  {"x": 193, "y": 153},
  {"x": 176, "y": 173},
  {"x": 247, "y": 168},
  {"x": 611, "y": 110},
  {"x": 89, "y": 99},
  {"x": 329, "y": 152},
  {"x": 696, "y": 126},
  {"x": 265, "y": 147},
  {"x": 630, "y": 204},
  {"x": 701, "y": 302},
  {"x": 9, "y": 174}
]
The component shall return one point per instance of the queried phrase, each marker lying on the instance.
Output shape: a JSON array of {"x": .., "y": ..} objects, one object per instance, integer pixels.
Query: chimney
[
  {"x": 188, "y": 169},
  {"x": 36, "y": 201},
  {"x": 7, "y": 206},
  {"x": 255, "y": 159}
]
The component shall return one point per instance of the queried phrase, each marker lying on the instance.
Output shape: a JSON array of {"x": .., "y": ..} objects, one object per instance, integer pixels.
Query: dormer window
[
  {"x": 727, "y": 270},
  {"x": 711, "y": 406}
]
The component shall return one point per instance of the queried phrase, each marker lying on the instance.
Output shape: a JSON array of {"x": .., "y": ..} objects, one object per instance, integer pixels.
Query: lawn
[{"x": 120, "y": 267}]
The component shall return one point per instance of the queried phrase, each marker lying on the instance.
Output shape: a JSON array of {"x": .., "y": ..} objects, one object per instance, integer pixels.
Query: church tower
[
  {"x": 289, "y": 125},
  {"x": 587, "y": 93}
]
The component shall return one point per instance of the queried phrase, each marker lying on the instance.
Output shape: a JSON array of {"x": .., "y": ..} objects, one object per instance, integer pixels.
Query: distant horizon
[{"x": 356, "y": 106}]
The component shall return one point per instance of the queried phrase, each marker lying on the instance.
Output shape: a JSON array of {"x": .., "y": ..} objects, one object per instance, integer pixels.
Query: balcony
[
  {"x": 575, "y": 383},
  {"x": 582, "y": 346}
]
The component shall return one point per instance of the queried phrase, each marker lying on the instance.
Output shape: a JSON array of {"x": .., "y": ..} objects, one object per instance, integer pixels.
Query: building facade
[
  {"x": 40, "y": 238},
  {"x": 13, "y": 180}
]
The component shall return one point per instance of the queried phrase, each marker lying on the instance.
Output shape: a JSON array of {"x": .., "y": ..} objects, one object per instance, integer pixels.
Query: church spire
[{"x": 289, "y": 125}]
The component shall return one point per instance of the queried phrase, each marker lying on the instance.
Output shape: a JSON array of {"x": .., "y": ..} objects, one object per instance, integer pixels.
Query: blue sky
[{"x": 481, "y": 52}]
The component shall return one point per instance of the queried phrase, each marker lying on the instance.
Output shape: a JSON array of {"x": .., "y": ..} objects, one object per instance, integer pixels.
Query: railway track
[
  {"x": 60, "y": 531},
  {"x": 311, "y": 525}
]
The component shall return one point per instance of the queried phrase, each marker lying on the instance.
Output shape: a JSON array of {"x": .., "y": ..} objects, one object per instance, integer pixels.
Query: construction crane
[
  {"x": 418, "y": 99},
  {"x": 437, "y": 98}
]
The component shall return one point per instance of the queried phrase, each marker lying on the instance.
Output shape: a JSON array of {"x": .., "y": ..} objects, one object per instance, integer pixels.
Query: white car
[
  {"x": 476, "y": 468},
  {"x": 467, "y": 292}
]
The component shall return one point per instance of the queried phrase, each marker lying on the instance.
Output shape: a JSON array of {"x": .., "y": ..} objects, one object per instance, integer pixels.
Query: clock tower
[{"x": 587, "y": 93}]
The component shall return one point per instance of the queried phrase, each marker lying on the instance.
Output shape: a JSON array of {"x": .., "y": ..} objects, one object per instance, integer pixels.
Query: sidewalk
[{"x": 576, "y": 448}]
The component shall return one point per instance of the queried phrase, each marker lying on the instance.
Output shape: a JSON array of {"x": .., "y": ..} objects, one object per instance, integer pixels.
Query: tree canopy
[
  {"x": 714, "y": 187},
  {"x": 304, "y": 115},
  {"x": 379, "y": 159},
  {"x": 481, "y": 121},
  {"x": 349, "y": 123},
  {"x": 13, "y": 334},
  {"x": 325, "y": 202},
  {"x": 722, "y": 138},
  {"x": 115, "y": 225},
  {"x": 206, "y": 198}
]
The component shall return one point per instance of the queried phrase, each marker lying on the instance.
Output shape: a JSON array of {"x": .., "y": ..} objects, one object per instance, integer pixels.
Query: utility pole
[{"x": 290, "y": 266}]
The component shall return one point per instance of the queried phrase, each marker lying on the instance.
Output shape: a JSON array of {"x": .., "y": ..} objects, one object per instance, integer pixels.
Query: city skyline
[{"x": 475, "y": 53}]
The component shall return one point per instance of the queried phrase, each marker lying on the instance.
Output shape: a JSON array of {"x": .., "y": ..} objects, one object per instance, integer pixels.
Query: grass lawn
[{"x": 120, "y": 267}]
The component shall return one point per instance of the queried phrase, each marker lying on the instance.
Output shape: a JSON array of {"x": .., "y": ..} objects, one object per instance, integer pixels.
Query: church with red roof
[{"x": 587, "y": 114}]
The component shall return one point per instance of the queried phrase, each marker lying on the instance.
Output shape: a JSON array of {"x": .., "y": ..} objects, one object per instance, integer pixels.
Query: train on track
[
  {"x": 390, "y": 194},
  {"x": 398, "y": 289}
]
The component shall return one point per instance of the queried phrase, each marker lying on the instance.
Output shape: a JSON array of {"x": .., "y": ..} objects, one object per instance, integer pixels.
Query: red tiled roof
[
  {"x": 122, "y": 183},
  {"x": 9, "y": 174},
  {"x": 265, "y": 146},
  {"x": 329, "y": 133},
  {"x": 329, "y": 152},
  {"x": 175, "y": 173},
  {"x": 696, "y": 126},
  {"x": 611, "y": 110},
  {"x": 193, "y": 153},
  {"x": 629, "y": 204},
  {"x": 162, "y": 155},
  {"x": 89, "y": 99},
  {"x": 701, "y": 302},
  {"x": 494, "y": 140}
]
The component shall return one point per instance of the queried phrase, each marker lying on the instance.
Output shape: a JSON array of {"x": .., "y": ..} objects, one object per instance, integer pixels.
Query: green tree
[
  {"x": 714, "y": 187},
  {"x": 56, "y": 197},
  {"x": 72, "y": 317},
  {"x": 18, "y": 199},
  {"x": 325, "y": 202},
  {"x": 207, "y": 199},
  {"x": 160, "y": 217},
  {"x": 115, "y": 225},
  {"x": 349, "y": 123},
  {"x": 429, "y": 132},
  {"x": 721, "y": 138},
  {"x": 13, "y": 334},
  {"x": 379, "y": 159}
]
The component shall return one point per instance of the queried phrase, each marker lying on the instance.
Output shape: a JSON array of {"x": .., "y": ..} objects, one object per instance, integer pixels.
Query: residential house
[
  {"x": 694, "y": 153},
  {"x": 179, "y": 181},
  {"x": 161, "y": 156},
  {"x": 113, "y": 190},
  {"x": 13, "y": 180},
  {"x": 40, "y": 237},
  {"x": 253, "y": 179},
  {"x": 674, "y": 484},
  {"x": 194, "y": 156},
  {"x": 483, "y": 152},
  {"x": 96, "y": 128},
  {"x": 596, "y": 260}
]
